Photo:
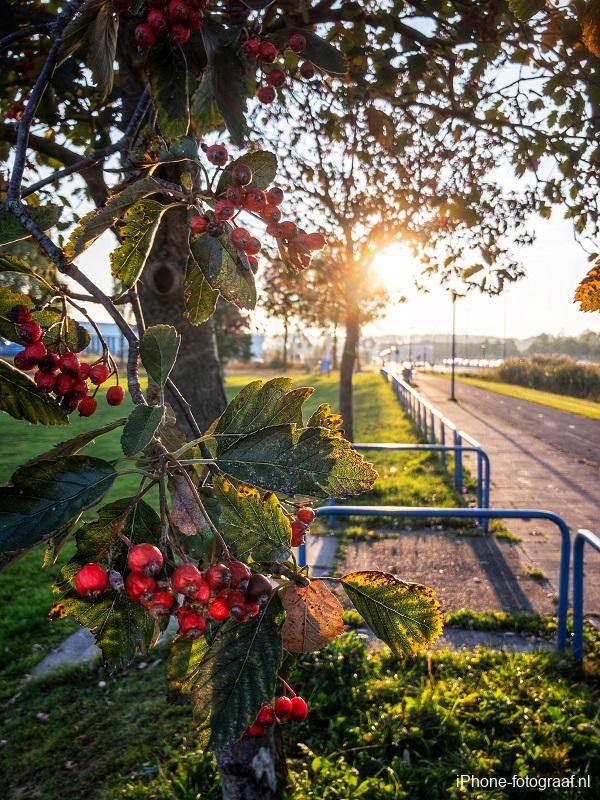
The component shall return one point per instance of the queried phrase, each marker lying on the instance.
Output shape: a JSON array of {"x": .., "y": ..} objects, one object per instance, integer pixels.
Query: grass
[
  {"x": 574, "y": 405},
  {"x": 81, "y": 732}
]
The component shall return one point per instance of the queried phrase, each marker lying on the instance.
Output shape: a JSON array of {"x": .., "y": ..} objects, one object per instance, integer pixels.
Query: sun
[{"x": 396, "y": 267}]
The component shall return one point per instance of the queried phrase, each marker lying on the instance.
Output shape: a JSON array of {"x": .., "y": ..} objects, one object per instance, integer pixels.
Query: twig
[
  {"x": 23, "y": 33},
  {"x": 275, "y": 568}
]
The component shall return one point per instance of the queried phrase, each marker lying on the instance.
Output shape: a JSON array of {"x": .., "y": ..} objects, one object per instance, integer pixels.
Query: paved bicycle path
[{"x": 540, "y": 458}]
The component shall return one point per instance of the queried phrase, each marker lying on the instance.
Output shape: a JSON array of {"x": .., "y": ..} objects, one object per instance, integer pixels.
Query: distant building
[{"x": 113, "y": 337}]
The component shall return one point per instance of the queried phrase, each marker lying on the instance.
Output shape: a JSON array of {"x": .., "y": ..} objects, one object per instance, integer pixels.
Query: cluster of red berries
[
  {"x": 266, "y": 53},
  {"x": 168, "y": 19},
  {"x": 64, "y": 374},
  {"x": 294, "y": 709},
  {"x": 304, "y": 517},
  {"x": 264, "y": 205},
  {"x": 221, "y": 591}
]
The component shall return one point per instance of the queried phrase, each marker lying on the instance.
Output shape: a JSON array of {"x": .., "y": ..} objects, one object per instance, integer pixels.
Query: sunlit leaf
[
  {"x": 200, "y": 297},
  {"x": 140, "y": 428},
  {"x": 587, "y": 293},
  {"x": 11, "y": 230},
  {"x": 138, "y": 230},
  {"x": 224, "y": 269},
  {"x": 20, "y": 397},
  {"x": 158, "y": 351}
]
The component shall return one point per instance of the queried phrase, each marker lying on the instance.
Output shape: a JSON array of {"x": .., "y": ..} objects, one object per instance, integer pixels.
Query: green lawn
[
  {"x": 574, "y": 405},
  {"x": 81, "y": 732}
]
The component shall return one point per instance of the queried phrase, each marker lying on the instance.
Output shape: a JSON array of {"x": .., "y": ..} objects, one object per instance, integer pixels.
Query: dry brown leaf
[
  {"x": 313, "y": 617},
  {"x": 185, "y": 513}
]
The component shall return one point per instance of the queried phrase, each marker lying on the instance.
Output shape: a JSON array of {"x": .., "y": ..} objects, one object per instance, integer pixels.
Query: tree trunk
[
  {"x": 285, "y": 344},
  {"x": 334, "y": 348},
  {"x": 253, "y": 769},
  {"x": 346, "y": 372}
]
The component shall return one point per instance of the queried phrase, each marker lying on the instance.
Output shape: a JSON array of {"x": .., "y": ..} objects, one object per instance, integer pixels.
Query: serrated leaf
[
  {"x": 238, "y": 673},
  {"x": 224, "y": 270},
  {"x": 74, "y": 445},
  {"x": 587, "y": 293},
  {"x": 323, "y": 54},
  {"x": 158, "y": 350},
  {"x": 306, "y": 461},
  {"x": 44, "y": 497},
  {"x": 94, "y": 224},
  {"x": 264, "y": 169},
  {"x": 406, "y": 616},
  {"x": 103, "y": 47},
  {"x": 184, "y": 657},
  {"x": 75, "y": 34},
  {"x": 260, "y": 404},
  {"x": 11, "y": 230},
  {"x": 20, "y": 397},
  {"x": 140, "y": 427},
  {"x": 525, "y": 9},
  {"x": 324, "y": 417},
  {"x": 138, "y": 230},
  {"x": 313, "y": 617},
  {"x": 252, "y": 523},
  {"x": 167, "y": 69},
  {"x": 184, "y": 149},
  {"x": 14, "y": 264},
  {"x": 200, "y": 297},
  {"x": 205, "y": 115}
]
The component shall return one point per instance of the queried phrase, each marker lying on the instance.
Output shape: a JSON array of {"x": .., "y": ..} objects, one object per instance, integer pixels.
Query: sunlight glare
[{"x": 397, "y": 268}]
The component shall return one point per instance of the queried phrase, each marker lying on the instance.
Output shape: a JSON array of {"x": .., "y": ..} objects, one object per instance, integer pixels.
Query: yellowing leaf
[
  {"x": 590, "y": 27},
  {"x": 313, "y": 617},
  {"x": 406, "y": 616},
  {"x": 587, "y": 293}
]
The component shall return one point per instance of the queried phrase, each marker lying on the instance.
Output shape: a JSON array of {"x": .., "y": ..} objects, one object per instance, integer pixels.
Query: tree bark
[
  {"x": 334, "y": 348},
  {"x": 253, "y": 769},
  {"x": 347, "y": 371}
]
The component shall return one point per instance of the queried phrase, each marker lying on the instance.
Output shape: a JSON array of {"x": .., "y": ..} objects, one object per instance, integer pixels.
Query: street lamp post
[{"x": 453, "y": 365}]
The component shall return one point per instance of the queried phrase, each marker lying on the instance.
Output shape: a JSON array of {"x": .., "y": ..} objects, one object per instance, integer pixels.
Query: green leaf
[
  {"x": 308, "y": 461},
  {"x": 200, "y": 297},
  {"x": 14, "y": 264},
  {"x": 122, "y": 628},
  {"x": 406, "y": 616},
  {"x": 320, "y": 52},
  {"x": 94, "y": 224},
  {"x": 223, "y": 268},
  {"x": 264, "y": 169},
  {"x": 103, "y": 48},
  {"x": 205, "y": 115},
  {"x": 168, "y": 74},
  {"x": 260, "y": 404},
  {"x": 525, "y": 9},
  {"x": 138, "y": 231},
  {"x": 324, "y": 417},
  {"x": 184, "y": 149},
  {"x": 140, "y": 427},
  {"x": 158, "y": 351},
  {"x": 11, "y": 230},
  {"x": 74, "y": 445},
  {"x": 45, "y": 497},
  {"x": 20, "y": 397},
  {"x": 184, "y": 657},
  {"x": 252, "y": 523},
  {"x": 238, "y": 673},
  {"x": 71, "y": 332},
  {"x": 76, "y": 32}
]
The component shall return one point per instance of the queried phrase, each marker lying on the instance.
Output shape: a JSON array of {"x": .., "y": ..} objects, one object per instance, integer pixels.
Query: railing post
[
  {"x": 302, "y": 555},
  {"x": 578, "y": 546},
  {"x": 432, "y": 433},
  {"x": 443, "y": 442},
  {"x": 458, "y": 465}
]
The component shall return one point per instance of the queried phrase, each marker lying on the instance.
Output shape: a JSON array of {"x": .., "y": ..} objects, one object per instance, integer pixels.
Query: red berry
[
  {"x": 268, "y": 52},
  {"x": 79, "y": 388},
  {"x": 191, "y": 625},
  {"x": 84, "y": 371},
  {"x": 254, "y": 731},
  {"x": 266, "y": 94},
  {"x": 98, "y": 374},
  {"x": 289, "y": 229},
  {"x": 283, "y": 708},
  {"x": 250, "y": 610},
  {"x": 69, "y": 363},
  {"x": 30, "y": 332},
  {"x": 259, "y": 589},
  {"x": 198, "y": 224},
  {"x": 218, "y": 610},
  {"x": 69, "y": 402},
  {"x": 265, "y": 717},
  {"x": 144, "y": 36},
  {"x": 315, "y": 241},
  {"x": 91, "y": 580},
  {"x": 87, "y": 406},
  {"x": 256, "y": 200},
  {"x": 275, "y": 196},
  {"x": 115, "y": 396},
  {"x": 24, "y": 363},
  {"x": 236, "y": 195},
  {"x": 241, "y": 174},
  {"x": 224, "y": 209},
  {"x": 160, "y": 603},
  {"x": 195, "y": 20},
  {"x": 180, "y": 34},
  {"x": 252, "y": 48},
  {"x": 217, "y": 154},
  {"x": 240, "y": 237},
  {"x": 44, "y": 381},
  {"x": 19, "y": 315},
  {"x": 202, "y": 593},
  {"x": 64, "y": 384},
  {"x": 145, "y": 558},
  {"x": 305, "y": 515},
  {"x": 298, "y": 531},
  {"x": 157, "y": 21},
  {"x": 178, "y": 11},
  {"x": 299, "y": 709},
  {"x": 122, "y": 5},
  {"x": 187, "y": 579},
  {"x": 218, "y": 577},
  {"x": 49, "y": 363},
  {"x": 239, "y": 573},
  {"x": 35, "y": 352},
  {"x": 252, "y": 246},
  {"x": 277, "y": 78},
  {"x": 139, "y": 587},
  {"x": 307, "y": 70},
  {"x": 271, "y": 214},
  {"x": 297, "y": 43},
  {"x": 253, "y": 261}
]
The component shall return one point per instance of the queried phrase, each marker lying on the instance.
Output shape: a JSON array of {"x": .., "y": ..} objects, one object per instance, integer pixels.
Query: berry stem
[{"x": 286, "y": 686}]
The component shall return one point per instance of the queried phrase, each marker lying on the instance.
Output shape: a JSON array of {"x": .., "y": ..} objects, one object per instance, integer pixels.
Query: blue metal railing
[
  {"x": 581, "y": 538},
  {"x": 473, "y": 513}
]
